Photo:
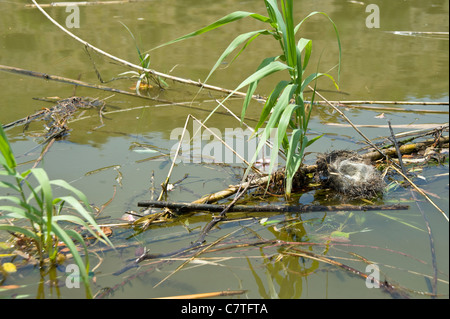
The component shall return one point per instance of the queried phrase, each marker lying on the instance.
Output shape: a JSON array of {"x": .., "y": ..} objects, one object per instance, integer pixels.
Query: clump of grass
[
  {"x": 285, "y": 110},
  {"x": 42, "y": 214}
]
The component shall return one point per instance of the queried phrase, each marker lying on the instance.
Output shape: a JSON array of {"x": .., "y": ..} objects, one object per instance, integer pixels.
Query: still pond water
[{"x": 377, "y": 64}]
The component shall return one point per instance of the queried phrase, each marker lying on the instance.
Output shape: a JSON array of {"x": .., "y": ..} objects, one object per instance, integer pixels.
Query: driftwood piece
[
  {"x": 405, "y": 149},
  {"x": 185, "y": 207}
]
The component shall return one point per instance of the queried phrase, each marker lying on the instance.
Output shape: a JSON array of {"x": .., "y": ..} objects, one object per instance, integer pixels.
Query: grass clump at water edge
[{"x": 40, "y": 212}]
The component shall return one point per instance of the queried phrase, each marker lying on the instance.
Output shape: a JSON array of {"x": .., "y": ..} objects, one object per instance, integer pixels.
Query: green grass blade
[
  {"x": 315, "y": 76},
  {"x": 222, "y": 21},
  {"x": 287, "y": 8},
  {"x": 134, "y": 39},
  {"x": 270, "y": 102},
  {"x": 272, "y": 67},
  {"x": 313, "y": 140},
  {"x": 45, "y": 188},
  {"x": 284, "y": 121},
  {"x": 62, "y": 235},
  {"x": 253, "y": 85},
  {"x": 232, "y": 46},
  {"x": 8, "y": 160},
  {"x": 335, "y": 30},
  {"x": 294, "y": 158},
  {"x": 85, "y": 214},
  {"x": 305, "y": 44},
  {"x": 21, "y": 230},
  {"x": 63, "y": 184},
  {"x": 17, "y": 212},
  {"x": 280, "y": 105}
]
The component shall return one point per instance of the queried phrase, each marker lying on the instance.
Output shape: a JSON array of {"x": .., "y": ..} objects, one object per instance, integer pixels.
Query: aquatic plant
[
  {"x": 144, "y": 78},
  {"x": 285, "y": 109},
  {"x": 41, "y": 212}
]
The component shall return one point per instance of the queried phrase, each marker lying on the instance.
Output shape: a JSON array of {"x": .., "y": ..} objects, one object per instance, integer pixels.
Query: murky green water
[{"x": 376, "y": 65}]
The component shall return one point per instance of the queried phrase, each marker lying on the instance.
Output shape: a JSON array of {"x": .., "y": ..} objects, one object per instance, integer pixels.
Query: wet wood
[
  {"x": 405, "y": 149},
  {"x": 188, "y": 207}
]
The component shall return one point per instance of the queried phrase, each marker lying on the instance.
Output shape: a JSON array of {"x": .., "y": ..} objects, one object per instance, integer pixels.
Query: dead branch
[{"x": 189, "y": 207}]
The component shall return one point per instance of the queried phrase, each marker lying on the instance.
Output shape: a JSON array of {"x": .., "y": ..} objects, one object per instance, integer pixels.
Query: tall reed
[{"x": 285, "y": 110}]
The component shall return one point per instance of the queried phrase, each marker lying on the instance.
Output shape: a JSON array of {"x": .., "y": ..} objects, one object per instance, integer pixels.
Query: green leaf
[
  {"x": 280, "y": 105},
  {"x": 222, "y": 21},
  {"x": 315, "y": 76},
  {"x": 8, "y": 160},
  {"x": 290, "y": 48},
  {"x": 20, "y": 230},
  {"x": 85, "y": 214},
  {"x": 17, "y": 212},
  {"x": 284, "y": 121},
  {"x": 335, "y": 30},
  {"x": 270, "y": 103},
  {"x": 252, "y": 86},
  {"x": 62, "y": 235},
  {"x": 272, "y": 67},
  {"x": 232, "y": 46},
  {"x": 305, "y": 44},
  {"x": 294, "y": 159},
  {"x": 67, "y": 186},
  {"x": 313, "y": 140}
]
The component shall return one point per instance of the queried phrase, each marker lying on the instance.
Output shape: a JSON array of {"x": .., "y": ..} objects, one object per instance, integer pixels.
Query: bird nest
[{"x": 349, "y": 174}]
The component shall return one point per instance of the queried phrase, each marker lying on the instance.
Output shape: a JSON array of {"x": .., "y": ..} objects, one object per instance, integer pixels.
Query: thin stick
[
  {"x": 348, "y": 120},
  {"x": 393, "y": 290},
  {"x": 397, "y": 148},
  {"x": 427, "y": 223},
  {"x": 408, "y": 126},
  {"x": 421, "y": 192},
  {"x": 385, "y": 102},
  {"x": 404, "y": 149},
  {"x": 268, "y": 143},
  {"x": 393, "y": 109},
  {"x": 71, "y": 81},
  {"x": 194, "y": 256},
  {"x": 227, "y": 146},
  {"x": 164, "y": 185}
]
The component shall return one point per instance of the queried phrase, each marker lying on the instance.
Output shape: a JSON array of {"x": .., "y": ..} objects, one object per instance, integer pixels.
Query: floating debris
[{"x": 57, "y": 116}]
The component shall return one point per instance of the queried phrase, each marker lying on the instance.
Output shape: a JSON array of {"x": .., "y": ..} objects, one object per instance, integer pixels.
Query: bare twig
[
  {"x": 385, "y": 102},
  {"x": 166, "y": 182},
  {"x": 421, "y": 192}
]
